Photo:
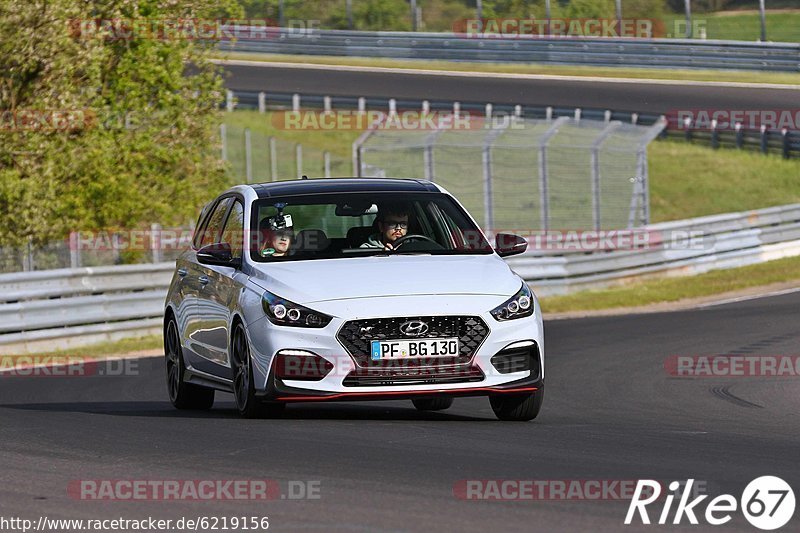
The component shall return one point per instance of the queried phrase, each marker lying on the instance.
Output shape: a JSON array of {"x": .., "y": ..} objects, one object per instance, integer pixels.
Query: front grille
[
  {"x": 379, "y": 377},
  {"x": 356, "y": 336}
]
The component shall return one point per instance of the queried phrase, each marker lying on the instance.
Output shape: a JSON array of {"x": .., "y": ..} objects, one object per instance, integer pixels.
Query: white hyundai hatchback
[{"x": 350, "y": 289}]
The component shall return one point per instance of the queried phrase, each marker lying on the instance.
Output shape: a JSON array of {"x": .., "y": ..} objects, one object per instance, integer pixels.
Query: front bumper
[{"x": 480, "y": 376}]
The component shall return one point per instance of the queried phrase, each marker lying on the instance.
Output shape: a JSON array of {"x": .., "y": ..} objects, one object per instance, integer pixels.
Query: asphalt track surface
[
  {"x": 639, "y": 97},
  {"x": 611, "y": 413}
]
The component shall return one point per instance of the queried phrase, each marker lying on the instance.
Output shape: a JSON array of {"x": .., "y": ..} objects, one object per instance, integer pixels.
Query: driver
[{"x": 392, "y": 225}]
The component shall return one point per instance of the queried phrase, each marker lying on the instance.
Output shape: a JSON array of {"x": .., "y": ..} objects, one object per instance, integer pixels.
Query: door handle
[
  {"x": 182, "y": 272},
  {"x": 203, "y": 280}
]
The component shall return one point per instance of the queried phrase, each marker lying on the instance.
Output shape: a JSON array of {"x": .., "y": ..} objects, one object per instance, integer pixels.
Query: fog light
[{"x": 301, "y": 365}]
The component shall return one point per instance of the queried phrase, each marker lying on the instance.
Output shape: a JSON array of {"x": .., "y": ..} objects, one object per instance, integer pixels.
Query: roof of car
[{"x": 340, "y": 185}]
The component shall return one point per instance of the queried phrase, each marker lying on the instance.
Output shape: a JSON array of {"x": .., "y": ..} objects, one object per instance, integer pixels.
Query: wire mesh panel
[{"x": 525, "y": 174}]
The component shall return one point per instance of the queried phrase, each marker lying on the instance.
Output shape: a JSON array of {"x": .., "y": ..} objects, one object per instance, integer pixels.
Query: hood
[{"x": 320, "y": 280}]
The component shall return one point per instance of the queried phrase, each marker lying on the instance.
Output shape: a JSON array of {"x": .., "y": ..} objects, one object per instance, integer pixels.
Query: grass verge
[
  {"x": 649, "y": 292},
  {"x": 103, "y": 349},
  {"x": 735, "y": 76}
]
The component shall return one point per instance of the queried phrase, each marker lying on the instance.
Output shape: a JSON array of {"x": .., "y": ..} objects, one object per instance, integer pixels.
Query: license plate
[{"x": 414, "y": 349}]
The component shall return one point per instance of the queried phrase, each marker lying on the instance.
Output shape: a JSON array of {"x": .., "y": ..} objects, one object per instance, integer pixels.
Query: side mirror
[
  {"x": 219, "y": 254},
  {"x": 508, "y": 244}
]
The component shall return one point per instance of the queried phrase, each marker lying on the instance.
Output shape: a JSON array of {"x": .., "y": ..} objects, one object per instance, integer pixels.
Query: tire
[
  {"x": 182, "y": 395},
  {"x": 432, "y": 404},
  {"x": 244, "y": 389},
  {"x": 519, "y": 408}
]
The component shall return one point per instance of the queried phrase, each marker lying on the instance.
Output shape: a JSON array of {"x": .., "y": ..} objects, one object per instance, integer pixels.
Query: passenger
[
  {"x": 278, "y": 237},
  {"x": 392, "y": 225}
]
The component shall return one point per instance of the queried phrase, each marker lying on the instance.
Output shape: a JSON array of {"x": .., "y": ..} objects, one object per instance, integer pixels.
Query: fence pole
[
  {"x": 413, "y": 15},
  {"x": 298, "y": 154},
  {"x": 248, "y": 156},
  {"x": 349, "y": 11},
  {"x": 762, "y": 12},
  {"x": 326, "y": 163},
  {"x": 688, "y": 9},
  {"x": 155, "y": 242},
  {"x": 228, "y": 100},
  {"x": 543, "y": 170},
  {"x": 223, "y": 135},
  {"x": 273, "y": 159},
  {"x": 595, "y": 162}
]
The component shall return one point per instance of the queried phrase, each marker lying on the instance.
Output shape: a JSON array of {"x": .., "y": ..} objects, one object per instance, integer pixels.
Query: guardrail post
[
  {"x": 392, "y": 107},
  {"x": 548, "y": 114},
  {"x": 488, "y": 112},
  {"x": 634, "y": 118},
  {"x": 273, "y": 159},
  {"x": 785, "y": 133},
  {"x": 326, "y": 164},
  {"x": 578, "y": 115},
  {"x": 262, "y": 102},
  {"x": 326, "y": 104},
  {"x": 518, "y": 111},
  {"x": 764, "y": 139},
  {"x": 362, "y": 104},
  {"x": 248, "y": 156},
  {"x": 74, "y": 249},
  {"x": 687, "y": 129},
  {"x": 228, "y": 100},
  {"x": 607, "y": 116},
  {"x": 739, "y": 135},
  {"x": 298, "y": 154},
  {"x": 426, "y": 107},
  {"x": 456, "y": 109},
  {"x": 296, "y": 103},
  {"x": 714, "y": 135}
]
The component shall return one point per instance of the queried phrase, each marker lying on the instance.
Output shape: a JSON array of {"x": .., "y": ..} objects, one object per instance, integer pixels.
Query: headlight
[
  {"x": 285, "y": 313},
  {"x": 518, "y": 306}
]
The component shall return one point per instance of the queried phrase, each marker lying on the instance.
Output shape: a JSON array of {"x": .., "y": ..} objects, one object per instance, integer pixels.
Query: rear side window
[
  {"x": 213, "y": 229},
  {"x": 234, "y": 230}
]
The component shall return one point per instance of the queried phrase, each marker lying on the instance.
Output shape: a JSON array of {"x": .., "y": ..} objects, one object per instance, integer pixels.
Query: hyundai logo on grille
[{"x": 413, "y": 328}]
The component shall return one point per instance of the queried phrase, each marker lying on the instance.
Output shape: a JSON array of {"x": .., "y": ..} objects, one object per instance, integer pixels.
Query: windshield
[{"x": 325, "y": 226}]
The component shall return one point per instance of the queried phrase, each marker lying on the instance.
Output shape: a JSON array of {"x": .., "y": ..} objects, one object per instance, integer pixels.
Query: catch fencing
[{"x": 511, "y": 172}]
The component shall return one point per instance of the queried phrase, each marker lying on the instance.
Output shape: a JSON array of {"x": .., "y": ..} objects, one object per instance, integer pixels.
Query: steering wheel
[{"x": 407, "y": 238}]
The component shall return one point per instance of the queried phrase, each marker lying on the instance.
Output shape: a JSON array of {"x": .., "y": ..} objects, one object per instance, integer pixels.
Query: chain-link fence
[
  {"x": 258, "y": 158},
  {"x": 524, "y": 173}
]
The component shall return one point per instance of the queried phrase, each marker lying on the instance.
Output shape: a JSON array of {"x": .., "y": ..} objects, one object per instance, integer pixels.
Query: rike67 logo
[{"x": 767, "y": 503}]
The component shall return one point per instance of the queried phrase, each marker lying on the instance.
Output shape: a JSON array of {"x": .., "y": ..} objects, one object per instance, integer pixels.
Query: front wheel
[
  {"x": 244, "y": 389},
  {"x": 517, "y": 407},
  {"x": 182, "y": 395}
]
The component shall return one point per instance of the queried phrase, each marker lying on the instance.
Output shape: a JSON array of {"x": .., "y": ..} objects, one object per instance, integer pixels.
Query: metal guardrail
[
  {"x": 629, "y": 52},
  {"x": 57, "y": 309}
]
